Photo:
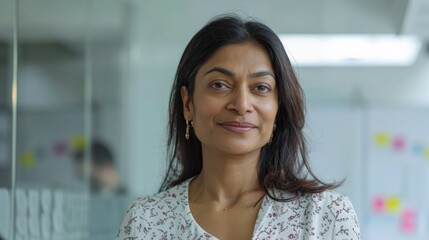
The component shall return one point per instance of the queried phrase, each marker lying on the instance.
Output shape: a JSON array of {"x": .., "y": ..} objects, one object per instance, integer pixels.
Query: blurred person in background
[
  {"x": 238, "y": 158},
  {"x": 104, "y": 178}
]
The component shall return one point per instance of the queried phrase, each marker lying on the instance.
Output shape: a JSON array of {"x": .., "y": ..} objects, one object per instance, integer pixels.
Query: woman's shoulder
[
  {"x": 327, "y": 203},
  {"x": 147, "y": 215},
  {"x": 169, "y": 198},
  {"x": 329, "y": 198},
  {"x": 331, "y": 211},
  {"x": 336, "y": 205}
]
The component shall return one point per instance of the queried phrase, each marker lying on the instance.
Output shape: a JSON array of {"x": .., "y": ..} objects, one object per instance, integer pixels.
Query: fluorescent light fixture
[{"x": 351, "y": 50}]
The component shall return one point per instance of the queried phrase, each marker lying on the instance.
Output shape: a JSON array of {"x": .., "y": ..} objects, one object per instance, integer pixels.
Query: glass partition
[
  {"x": 7, "y": 20},
  {"x": 64, "y": 64},
  {"x": 52, "y": 119},
  {"x": 108, "y": 51}
]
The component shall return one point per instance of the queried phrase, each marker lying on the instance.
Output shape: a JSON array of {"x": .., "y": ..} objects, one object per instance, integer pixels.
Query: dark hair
[
  {"x": 283, "y": 164},
  {"x": 99, "y": 152}
]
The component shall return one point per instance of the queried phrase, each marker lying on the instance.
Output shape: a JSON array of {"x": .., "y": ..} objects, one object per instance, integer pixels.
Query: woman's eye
[
  {"x": 262, "y": 88},
  {"x": 218, "y": 85}
]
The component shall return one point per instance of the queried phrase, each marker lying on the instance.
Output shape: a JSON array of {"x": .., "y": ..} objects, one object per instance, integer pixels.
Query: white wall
[
  {"x": 158, "y": 35},
  {"x": 372, "y": 85}
]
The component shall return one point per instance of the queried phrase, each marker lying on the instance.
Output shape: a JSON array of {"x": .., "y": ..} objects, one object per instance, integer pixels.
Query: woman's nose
[{"x": 241, "y": 101}]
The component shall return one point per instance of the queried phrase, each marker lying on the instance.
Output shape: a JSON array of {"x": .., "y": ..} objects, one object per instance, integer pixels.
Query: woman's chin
[{"x": 239, "y": 149}]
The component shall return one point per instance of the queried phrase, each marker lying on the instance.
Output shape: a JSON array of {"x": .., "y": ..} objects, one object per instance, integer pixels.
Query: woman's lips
[{"x": 238, "y": 127}]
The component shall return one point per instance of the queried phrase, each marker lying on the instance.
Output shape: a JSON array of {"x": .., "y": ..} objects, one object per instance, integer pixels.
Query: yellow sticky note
[
  {"x": 426, "y": 153},
  {"x": 78, "y": 143},
  {"x": 28, "y": 159},
  {"x": 382, "y": 139},
  {"x": 393, "y": 204}
]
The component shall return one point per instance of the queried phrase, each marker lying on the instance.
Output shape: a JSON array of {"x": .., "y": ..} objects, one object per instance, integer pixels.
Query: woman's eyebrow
[
  {"x": 231, "y": 74},
  {"x": 221, "y": 70},
  {"x": 262, "y": 74}
]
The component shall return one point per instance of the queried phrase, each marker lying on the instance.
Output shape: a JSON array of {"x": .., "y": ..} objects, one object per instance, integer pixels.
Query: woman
[{"x": 238, "y": 166}]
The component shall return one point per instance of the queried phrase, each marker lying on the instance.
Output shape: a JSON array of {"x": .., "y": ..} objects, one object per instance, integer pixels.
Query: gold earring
[
  {"x": 187, "y": 136},
  {"x": 272, "y": 135}
]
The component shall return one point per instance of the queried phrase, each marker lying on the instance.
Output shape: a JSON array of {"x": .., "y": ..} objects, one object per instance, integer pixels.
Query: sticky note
[
  {"x": 378, "y": 204},
  {"x": 398, "y": 143},
  {"x": 393, "y": 204},
  {"x": 28, "y": 159},
  {"x": 408, "y": 221},
  {"x": 418, "y": 148},
  {"x": 78, "y": 143},
  {"x": 426, "y": 153},
  {"x": 60, "y": 148},
  {"x": 381, "y": 139}
]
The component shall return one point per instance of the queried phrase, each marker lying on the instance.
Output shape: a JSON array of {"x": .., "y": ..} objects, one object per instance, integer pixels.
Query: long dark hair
[{"x": 283, "y": 164}]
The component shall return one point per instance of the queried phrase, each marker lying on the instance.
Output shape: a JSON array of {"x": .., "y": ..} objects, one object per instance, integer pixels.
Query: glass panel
[
  {"x": 53, "y": 113},
  {"x": 72, "y": 69},
  {"x": 7, "y": 18},
  {"x": 109, "y": 48}
]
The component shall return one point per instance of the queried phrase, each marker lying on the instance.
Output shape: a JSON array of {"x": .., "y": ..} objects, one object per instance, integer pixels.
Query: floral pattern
[{"x": 166, "y": 215}]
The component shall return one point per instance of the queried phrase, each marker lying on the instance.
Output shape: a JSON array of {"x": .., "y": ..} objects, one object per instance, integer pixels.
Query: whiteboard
[
  {"x": 397, "y": 197},
  {"x": 383, "y": 152}
]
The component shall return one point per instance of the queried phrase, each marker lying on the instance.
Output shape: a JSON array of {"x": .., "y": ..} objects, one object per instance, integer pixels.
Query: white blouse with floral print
[{"x": 167, "y": 215}]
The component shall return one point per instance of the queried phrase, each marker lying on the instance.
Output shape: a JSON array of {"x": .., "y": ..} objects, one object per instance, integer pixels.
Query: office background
[{"x": 74, "y": 71}]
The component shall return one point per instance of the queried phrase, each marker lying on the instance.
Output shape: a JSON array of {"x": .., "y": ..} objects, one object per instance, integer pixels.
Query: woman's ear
[{"x": 188, "y": 107}]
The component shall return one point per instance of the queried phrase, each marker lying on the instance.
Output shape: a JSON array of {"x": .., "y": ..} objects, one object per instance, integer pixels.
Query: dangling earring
[
  {"x": 187, "y": 136},
  {"x": 272, "y": 135}
]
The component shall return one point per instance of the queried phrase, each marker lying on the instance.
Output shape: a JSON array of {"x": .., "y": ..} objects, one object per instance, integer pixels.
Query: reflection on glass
[{"x": 101, "y": 168}]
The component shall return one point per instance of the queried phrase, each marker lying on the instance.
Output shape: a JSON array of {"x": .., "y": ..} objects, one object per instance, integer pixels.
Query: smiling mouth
[{"x": 238, "y": 127}]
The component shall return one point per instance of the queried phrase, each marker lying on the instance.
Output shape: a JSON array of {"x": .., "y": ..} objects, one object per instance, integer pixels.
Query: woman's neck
[{"x": 227, "y": 179}]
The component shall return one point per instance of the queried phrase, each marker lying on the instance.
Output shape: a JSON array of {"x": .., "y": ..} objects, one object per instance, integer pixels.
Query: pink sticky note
[
  {"x": 60, "y": 147},
  {"x": 398, "y": 143},
  {"x": 378, "y": 204},
  {"x": 408, "y": 221}
]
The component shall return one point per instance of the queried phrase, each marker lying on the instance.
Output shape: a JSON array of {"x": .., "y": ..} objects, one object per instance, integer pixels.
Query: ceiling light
[{"x": 351, "y": 50}]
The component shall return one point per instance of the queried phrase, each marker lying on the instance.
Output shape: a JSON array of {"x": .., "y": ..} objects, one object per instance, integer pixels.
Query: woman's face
[{"x": 234, "y": 104}]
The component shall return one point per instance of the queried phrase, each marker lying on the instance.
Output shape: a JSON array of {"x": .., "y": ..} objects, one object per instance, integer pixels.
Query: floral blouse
[{"x": 167, "y": 215}]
